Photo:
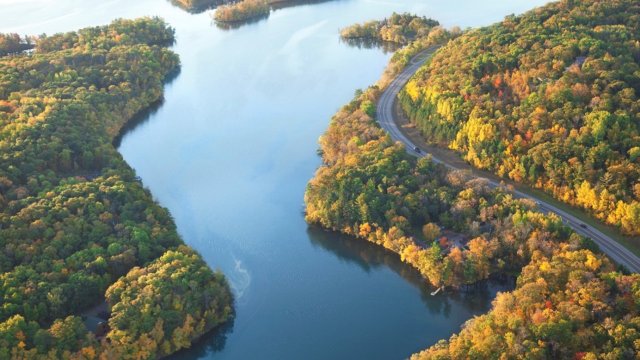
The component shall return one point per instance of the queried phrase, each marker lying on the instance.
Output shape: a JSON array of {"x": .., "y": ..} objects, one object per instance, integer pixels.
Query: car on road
[
  {"x": 417, "y": 149},
  {"x": 584, "y": 226}
]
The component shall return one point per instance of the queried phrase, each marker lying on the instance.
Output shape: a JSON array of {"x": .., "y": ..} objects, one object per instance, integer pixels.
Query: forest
[
  {"x": 570, "y": 300},
  {"x": 569, "y": 304},
  {"x": 242, "y": 10},
  {"x": 369, "y": 187},
  {"x": 549, "y": 99},
  {"x": 14, "y": 44},
  {"x": 398, "y": 28},
  {"x": 231, "y": 14},
  {"x": 413, "y": 33},
  {"x": 197, "y": 6},
  {"x": 77, "y": 228}
]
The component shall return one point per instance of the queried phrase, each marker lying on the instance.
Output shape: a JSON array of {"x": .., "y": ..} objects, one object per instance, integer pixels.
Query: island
[
  {"x": 570, "y": 300},
  {"x": 198, "y": 6},
  {"x": 242, "y": 11},
  {"x": 236, "y": 14},
  {"x": 78, "y": 230},
  {"x": 398, "y": 28}
]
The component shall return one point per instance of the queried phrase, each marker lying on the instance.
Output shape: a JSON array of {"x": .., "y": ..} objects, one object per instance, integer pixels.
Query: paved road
[{"x": 385, "y": 114}]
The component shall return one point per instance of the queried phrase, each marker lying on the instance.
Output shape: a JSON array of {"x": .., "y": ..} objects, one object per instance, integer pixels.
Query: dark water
[{"x": 229, "y": 151}]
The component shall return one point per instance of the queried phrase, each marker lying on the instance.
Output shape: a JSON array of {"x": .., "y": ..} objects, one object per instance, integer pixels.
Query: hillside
[
  {"x": 75, "y": 221},
  {"x": 549, "y": 98},
  {"x": 570, "y": 302}
]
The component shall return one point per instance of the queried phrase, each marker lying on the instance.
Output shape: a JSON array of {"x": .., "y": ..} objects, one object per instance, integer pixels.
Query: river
[{"x": 229, "y": 153}]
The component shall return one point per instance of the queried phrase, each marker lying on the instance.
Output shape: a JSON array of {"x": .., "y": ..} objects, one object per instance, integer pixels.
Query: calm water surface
[{"x": 230, "y": 151}]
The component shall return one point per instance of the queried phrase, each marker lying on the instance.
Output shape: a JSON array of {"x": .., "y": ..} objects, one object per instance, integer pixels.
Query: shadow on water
[
  {"x": 137, "y": 120},
  {"x": 277, "y": 5},
  {"x": 209, "y": 344},
  {"x": 144, "y": 115},
  {"x": 370, "y": 256},
  {"x": 365, "y": 43}
]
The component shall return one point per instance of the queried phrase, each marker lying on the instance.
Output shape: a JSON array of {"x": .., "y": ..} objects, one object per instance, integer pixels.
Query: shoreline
[{"x": 398, "y": 123}]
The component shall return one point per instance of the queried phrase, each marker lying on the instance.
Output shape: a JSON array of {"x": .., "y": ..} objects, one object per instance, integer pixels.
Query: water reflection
[
  {"x": 290, "y": 3},
  {"x": 144, "y": 115},
  {"x": 138, "y": 119},
  {"x": 277, "y": 5},
  {"x": 238, "y": 24},
  {"x": 369, "y": 256},
  {"x": 197, "y": 8},
  {"x": 364, "y": 43},
  {"x": 211, "y": 343},
  {"x": 230, "y": 152}
]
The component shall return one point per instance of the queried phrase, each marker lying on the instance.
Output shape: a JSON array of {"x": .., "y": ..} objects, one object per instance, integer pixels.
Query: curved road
[{"x": 385, "y": 117}]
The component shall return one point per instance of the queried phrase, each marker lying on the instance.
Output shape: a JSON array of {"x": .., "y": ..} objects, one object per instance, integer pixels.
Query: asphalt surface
[{"x": 386, "y": 119}]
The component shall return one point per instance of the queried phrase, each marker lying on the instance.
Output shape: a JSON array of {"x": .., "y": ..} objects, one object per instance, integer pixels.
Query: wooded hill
[
  {"x": 75, "y": 221},
  {"x": 549, "y": 98},
  {"x": 570, "y": 302}
]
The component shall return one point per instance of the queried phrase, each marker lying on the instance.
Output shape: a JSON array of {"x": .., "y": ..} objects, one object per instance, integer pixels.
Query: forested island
[
  {"x": 228, "y": 11},
  {"x": 413, "y": 33},
  {"x": 242, "y": 11},
  {"x": 245, "y": 11},
  {"x": 570, "y": 301},
  {"x": 77, "y": 228},
  {"x": 398, "y": 28},
  {"x": 550, "y": 99},
  {"x": 198, "y": 6},
  {"x": 231, "y": 13}
]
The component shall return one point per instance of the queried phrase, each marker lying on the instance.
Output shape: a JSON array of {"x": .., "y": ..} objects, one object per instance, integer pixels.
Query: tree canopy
[
  {"x": 242, "y": 11},
  {"x": 74, "y": 218},
  {"x": 569, "y": 301},
  {"x": 197, "y": 6},
  {"x": 14, "y": 43},
  {"x": 549, "y": 98},
  {"x": 570, "y": 305},
  {"x": 371, "y": 188},
  {"x": 398, "y": 28}
]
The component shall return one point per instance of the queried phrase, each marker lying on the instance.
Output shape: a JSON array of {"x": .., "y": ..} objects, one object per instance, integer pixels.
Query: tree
[
  {"x": 431, "y": 231},
  {"x": 73, "y": 217},
  {"x": 539, "y": 98}
]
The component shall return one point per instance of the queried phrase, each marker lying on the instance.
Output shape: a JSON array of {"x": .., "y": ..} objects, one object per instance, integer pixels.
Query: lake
[{"x": 229, "y": 153}]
